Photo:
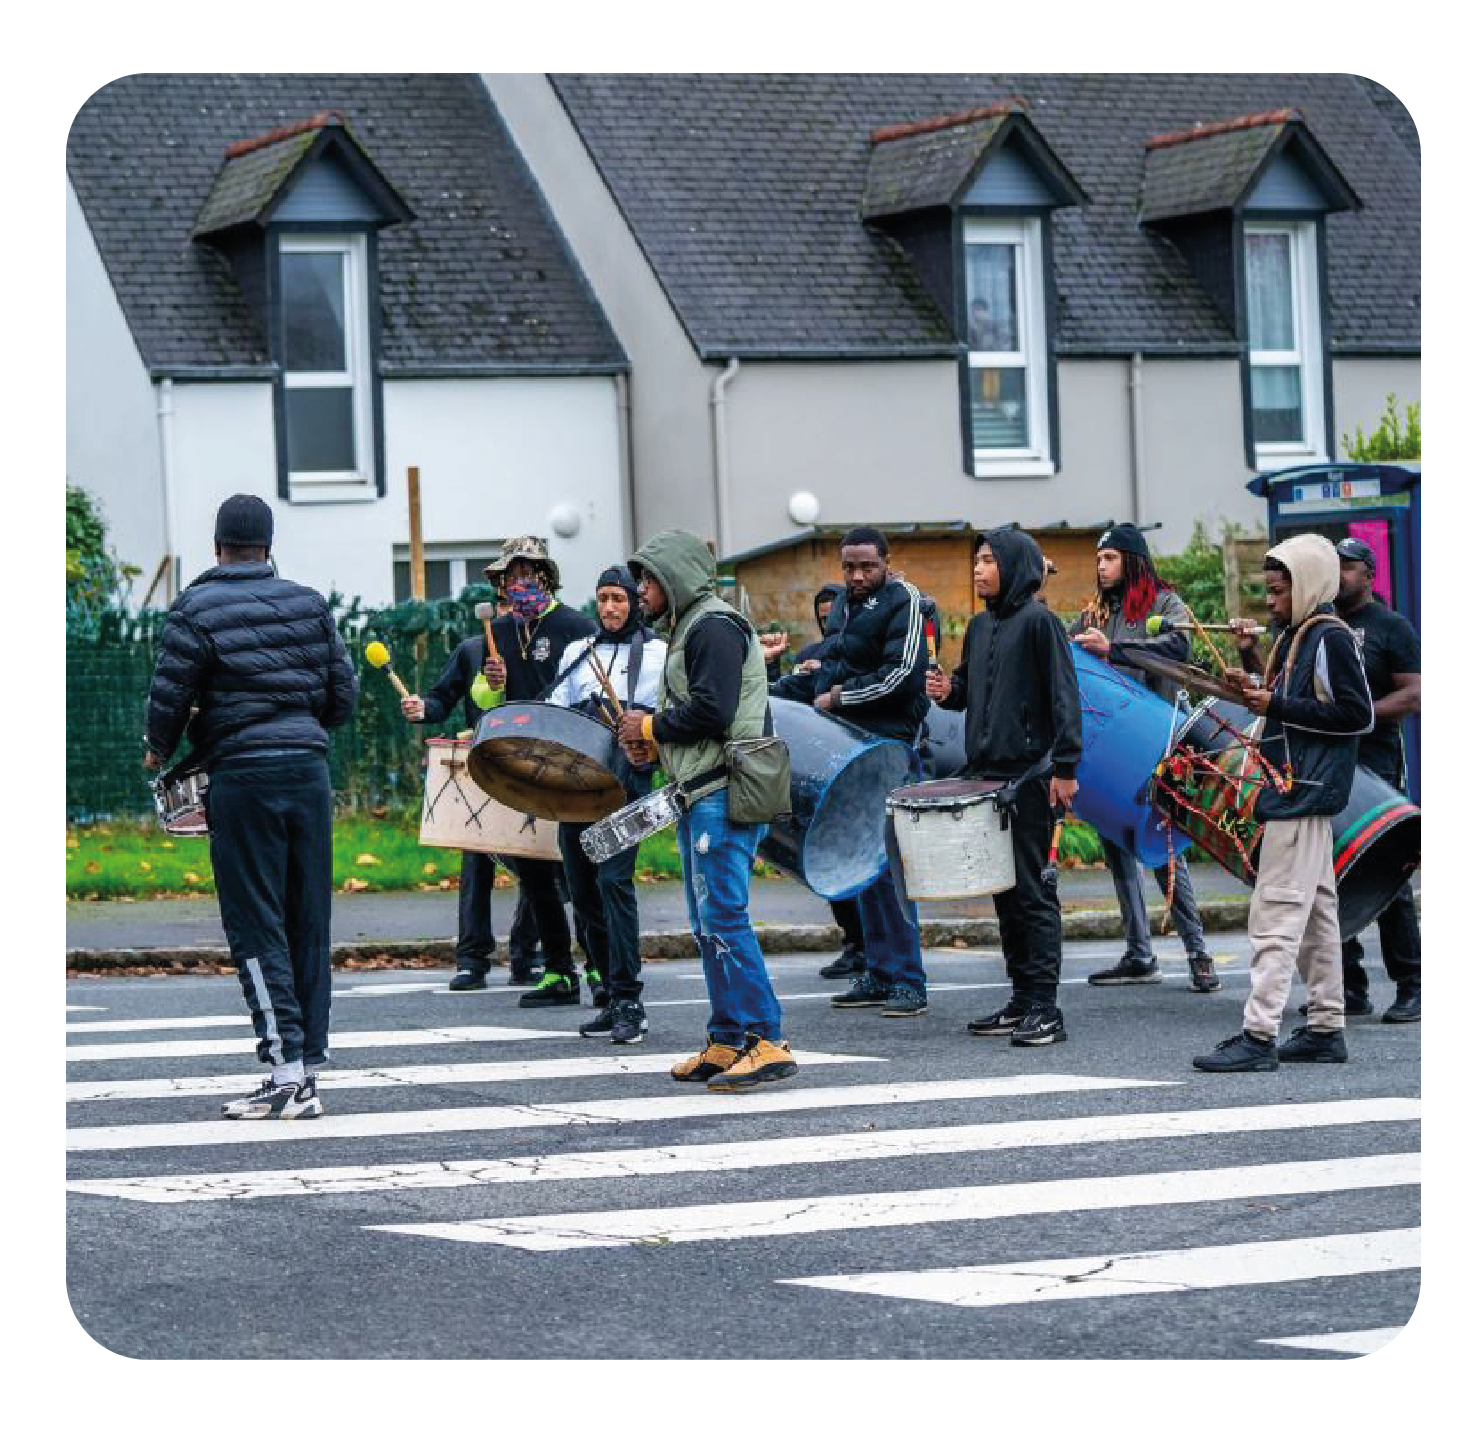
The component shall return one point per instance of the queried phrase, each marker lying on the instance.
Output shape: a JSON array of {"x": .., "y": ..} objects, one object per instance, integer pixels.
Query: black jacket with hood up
[{"x": 1016, "y": 680}]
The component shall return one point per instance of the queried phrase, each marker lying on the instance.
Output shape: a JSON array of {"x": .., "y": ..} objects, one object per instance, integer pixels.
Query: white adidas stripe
[
  {"x": 829, "y": 1213},
  {"x": 341, "y": 1040},
  {"x": 671, "y": 1159},
  {"x": 1149, "y": 1271},
  {"x": 1359, "y": 1341},
  {"x": 532, "y": 1116},
  {"x": 620, "y": 1062}
]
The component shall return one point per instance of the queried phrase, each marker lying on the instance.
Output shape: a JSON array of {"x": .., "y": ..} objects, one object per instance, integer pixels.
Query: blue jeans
[
  {"x": 893, "y": 943},
  {"x": 717, "y": 858}
]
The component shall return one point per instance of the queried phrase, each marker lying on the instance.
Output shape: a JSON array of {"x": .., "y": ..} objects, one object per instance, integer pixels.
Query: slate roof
[
  {"x": 745, "y": 190},
  {"x": 480, "y": 280}
]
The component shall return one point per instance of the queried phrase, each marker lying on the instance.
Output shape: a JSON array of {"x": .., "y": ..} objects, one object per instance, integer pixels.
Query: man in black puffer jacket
[{"x": 260, "y": 661}]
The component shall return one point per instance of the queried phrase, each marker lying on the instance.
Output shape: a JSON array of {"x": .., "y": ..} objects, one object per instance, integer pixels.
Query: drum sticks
[{"x": 613, "y": 711}]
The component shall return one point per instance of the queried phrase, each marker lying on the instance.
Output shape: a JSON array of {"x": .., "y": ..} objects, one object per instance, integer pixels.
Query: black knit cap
[
  {"x": 244, "y": 521},
  {"x": 1124, "y": 537},
  {"x": 620, "y": 576}
]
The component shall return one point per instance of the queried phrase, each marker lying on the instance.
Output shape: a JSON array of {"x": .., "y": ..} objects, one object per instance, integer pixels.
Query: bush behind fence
[{"x": 375, "y": 759}]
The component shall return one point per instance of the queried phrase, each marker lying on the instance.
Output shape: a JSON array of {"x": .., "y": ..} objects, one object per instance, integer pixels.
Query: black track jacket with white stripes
[{"x": 874, "y": 651}]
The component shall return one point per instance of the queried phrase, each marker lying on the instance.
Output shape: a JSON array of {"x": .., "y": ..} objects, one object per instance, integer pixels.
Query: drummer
[
  {"x": 1129, "y": 592},
  {"x": 872, "y": 672},
  {"x": 1316, "y": 706},
  {"x": 714, "y": 690},
  {"x": 625, "y": 660},
  {"x": 1018, "y": 684}
]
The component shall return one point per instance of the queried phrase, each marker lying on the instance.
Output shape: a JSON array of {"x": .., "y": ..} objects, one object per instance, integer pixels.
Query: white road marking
[
  {"x": 769, "y": 1218},
  {"x": 87, "y": 1007},
  {"x": 620, "y": 1062},
  {"x": 1149, "y": 1271},
  {"x": 1360, "y": 1341},
  {"x": 610, "y": 1112},
  {"x": 744, "y": 1154},
  {"x": 342, "y": 1040},
  {"x": 171, "y": 1022}
]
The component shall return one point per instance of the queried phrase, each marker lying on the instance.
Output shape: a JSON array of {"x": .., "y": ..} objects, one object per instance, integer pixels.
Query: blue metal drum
[
  {"x": 1125, "y": 731},
  {"x": 835, "y": 839}
]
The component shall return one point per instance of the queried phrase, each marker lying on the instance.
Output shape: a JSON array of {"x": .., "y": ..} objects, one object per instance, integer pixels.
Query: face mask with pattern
[{"x": 527, "y": 599}]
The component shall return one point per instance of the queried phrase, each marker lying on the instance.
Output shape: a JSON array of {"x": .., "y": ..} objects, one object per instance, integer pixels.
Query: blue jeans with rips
[{"x": 717, "y": 859}]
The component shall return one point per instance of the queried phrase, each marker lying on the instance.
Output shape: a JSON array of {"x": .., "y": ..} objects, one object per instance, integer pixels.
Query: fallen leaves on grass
[
  {"x": 352, "y": 885},
  {"x": 367, "y": 859}
]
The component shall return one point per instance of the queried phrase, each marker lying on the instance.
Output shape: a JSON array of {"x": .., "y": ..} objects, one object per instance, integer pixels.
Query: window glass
[
  {"x": 321, "y": 430},
  {"x": 1000, "y": 417},
  {"x": 435, "y": 573},
  {"x": 1269, "y": 291},
  {"x": 993, "y": 304},
  {"x": 314, "y": 312},
  {"x": 1276, "y": 403}
]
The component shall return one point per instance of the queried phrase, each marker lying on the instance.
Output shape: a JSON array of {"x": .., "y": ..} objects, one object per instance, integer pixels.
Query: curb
[{"x": 1217, "y": 915}]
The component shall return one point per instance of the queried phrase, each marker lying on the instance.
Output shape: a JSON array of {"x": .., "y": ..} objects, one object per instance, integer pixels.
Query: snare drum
[
  {"x": 180, "y": 803},
  {"x": 955, "y": 841},
  {"x": 625, "y": 828}
]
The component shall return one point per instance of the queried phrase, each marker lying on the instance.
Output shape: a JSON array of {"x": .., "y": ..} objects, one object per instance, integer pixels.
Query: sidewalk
[{"x": 413, "y": 924}]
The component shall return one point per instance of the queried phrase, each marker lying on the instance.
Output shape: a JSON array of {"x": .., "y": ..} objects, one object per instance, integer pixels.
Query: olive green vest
[{"x": 684, "y": 763}]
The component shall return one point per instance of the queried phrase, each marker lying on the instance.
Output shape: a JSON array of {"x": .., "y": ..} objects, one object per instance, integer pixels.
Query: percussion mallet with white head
[
  {"x": 1155, "y": 625},
  {"x": 484, "y": 611},
  {"x": 378, "y": 655}
]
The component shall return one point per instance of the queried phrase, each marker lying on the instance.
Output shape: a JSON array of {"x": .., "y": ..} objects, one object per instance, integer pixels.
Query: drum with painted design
[{"x": 456, "y": 813}]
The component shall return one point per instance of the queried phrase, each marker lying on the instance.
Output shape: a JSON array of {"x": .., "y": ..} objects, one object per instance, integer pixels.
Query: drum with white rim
[
  {"x": 631, "y": 824},
  {"x": 955, "y": 841},
  {"x": 456, "y": 813},
  {"x": 180, "y": 802}
]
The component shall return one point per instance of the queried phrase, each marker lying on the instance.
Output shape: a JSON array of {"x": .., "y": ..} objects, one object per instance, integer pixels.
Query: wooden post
[
  {"x": 1231, "y": 564},
  {"x": 414, "y": 522}
]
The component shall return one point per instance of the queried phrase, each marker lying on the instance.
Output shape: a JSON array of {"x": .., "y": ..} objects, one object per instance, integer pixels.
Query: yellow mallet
[{"x": 378, "y": 656}]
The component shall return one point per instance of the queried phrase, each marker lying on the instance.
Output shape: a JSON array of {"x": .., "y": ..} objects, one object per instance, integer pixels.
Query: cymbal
[{"x": 1185, "y": 674}]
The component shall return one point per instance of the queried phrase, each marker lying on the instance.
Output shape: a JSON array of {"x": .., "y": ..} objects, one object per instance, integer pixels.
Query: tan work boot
[
  {"x": 760, "y": 1063},
  {"x": 711, "y": 1061}
]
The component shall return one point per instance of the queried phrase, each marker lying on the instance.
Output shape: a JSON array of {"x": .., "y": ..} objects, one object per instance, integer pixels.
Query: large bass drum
[
  {"x": 834, "y": 840},
  {"x": 547, "y": 761}
]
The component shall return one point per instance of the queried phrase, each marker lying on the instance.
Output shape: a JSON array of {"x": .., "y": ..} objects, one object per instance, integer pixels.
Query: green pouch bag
[{"x": 760, "y": 780}]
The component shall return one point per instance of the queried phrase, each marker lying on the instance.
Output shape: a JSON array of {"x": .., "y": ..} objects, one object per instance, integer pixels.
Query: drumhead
[{"x": 951, "y": 794}]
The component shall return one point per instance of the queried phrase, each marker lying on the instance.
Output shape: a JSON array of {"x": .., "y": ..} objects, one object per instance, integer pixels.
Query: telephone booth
[{"x": 1377, "y": 502}]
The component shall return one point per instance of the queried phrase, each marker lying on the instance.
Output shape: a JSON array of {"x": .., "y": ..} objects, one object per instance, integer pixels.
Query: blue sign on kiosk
[{"x": 1379, "y": 502}]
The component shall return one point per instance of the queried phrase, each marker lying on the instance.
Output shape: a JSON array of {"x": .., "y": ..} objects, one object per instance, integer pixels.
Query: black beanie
[
  {"x": 1124, "y": 537},
  {"x": 620, "y": 576},
  {"x": 244, "y": 521}
]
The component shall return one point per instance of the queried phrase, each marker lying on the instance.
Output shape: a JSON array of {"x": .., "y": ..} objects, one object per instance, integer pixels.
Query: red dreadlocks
[{"x": 1141, "y": 585}]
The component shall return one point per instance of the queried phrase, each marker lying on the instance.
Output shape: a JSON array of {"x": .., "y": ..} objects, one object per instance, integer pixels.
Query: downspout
[
  {"x": 1135, "y": 426},
  {"x": 164, "y": 415},
  {"x": 718, "y": 445},
  {"x": 625, "y": 464}
]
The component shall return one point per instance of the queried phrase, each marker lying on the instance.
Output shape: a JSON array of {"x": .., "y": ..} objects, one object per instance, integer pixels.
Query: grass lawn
[{"x": 136, "y": 860}]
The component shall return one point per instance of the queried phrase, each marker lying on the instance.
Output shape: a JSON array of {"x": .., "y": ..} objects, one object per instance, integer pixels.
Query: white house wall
[
  {"x": 112, "y": 443},
  {"x": 1360, "y": 389},
  {"x": 496, "y": 456}
]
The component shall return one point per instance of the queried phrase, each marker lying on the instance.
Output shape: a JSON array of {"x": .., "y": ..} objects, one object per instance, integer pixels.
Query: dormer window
[
  {"x": 297, "y": 213},
  {"x": 969, "y": 198}
]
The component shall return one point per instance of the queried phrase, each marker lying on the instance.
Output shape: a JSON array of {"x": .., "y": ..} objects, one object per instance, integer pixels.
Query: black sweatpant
[
  {"x": 847, "y": 918},
  {"x": 606, "y": 908},
  {"x": 271, "y": 855},
  {"x": 1030, "y": 913},
  {"x": 541, "y": 882},
  {"x": 476, "y": 941},
  {"x": 1400, "y": 932}
]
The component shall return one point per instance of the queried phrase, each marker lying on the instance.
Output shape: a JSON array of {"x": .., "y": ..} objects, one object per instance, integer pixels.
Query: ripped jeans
[{"x": 717, "y": 857}]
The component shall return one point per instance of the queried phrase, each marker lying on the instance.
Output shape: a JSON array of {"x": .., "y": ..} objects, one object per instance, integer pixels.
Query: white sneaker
[{"x": 293, "y": 1101}]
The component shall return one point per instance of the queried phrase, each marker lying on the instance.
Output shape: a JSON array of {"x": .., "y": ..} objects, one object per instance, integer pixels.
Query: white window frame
[
  {"x": 360, "y": 482},
  {"x": 1024, "y": 235},
  {"x": 1307, "y": 352}
]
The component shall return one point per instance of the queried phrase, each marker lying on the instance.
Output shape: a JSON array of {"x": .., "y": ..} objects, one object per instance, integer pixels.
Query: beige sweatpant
[{"x": 1294, "y": 924}]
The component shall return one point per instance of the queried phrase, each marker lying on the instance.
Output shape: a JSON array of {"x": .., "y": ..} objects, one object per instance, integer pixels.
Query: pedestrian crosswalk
[{"x": 849, "y": 1180}]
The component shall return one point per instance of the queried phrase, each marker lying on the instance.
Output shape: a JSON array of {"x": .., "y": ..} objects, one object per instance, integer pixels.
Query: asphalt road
[{"x": 1259, "y": 1207}]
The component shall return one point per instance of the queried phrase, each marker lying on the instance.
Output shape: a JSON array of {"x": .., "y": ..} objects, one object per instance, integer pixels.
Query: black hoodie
[{"x": 1016, "y": 679}]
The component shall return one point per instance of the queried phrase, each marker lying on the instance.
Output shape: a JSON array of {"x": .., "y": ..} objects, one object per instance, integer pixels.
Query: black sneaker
[
  {"x": 849, "y": 963},
  {"x": 864, "y": 990},
  {"x": 298, "y": 1100},
  {"x": 1407, "y": 1008},
  {"x": 1202, "y": 976},
  {"x": 1353, "y": 1005},
  {"x": 525, "y": 972},
  {"x": 554, "y": 989},
  {"x": 1001, "y": 1022},
  {"x": 1240, "y": 1052},
  {"x": 1039, "y": 1025},
  {"x": 905, "y": 1000},
  {"x": 467, "y": 979},
  {"x": 628, "y": 1022},
  {"x": 601, "y": 1024},
  {"x": 1128, "y": 971},
  {"x": 1313, "y": 1047}
]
